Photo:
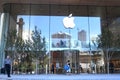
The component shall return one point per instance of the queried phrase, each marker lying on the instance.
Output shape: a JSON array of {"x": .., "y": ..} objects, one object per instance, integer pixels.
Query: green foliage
[
  {"x": 11, "y": 39},
  {"x": 38, "y": 43},
  {"x": 105, "y": 40},
  {"x": 117, "y": 41},
  {"x": 109, "y": 42},
  {"x": 32, "y": 49},
  {"x": 20, "y": 45}
]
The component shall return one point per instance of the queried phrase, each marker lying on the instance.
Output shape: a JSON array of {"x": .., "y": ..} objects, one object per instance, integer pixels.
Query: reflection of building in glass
[
  {"x": 60, "y": 40},
  {"x": 82, "y": 37},
  {"x": 20, "y": 27}
]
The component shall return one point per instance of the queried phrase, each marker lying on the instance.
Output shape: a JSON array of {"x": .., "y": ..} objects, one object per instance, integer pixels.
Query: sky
[{"x": 54, "y": 24}]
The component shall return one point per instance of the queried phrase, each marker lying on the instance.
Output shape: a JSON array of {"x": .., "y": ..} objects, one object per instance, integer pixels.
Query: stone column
[{"x": 4, "y": 17}]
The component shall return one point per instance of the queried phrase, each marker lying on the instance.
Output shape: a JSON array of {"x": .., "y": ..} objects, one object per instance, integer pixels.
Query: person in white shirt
[{"x": 7, "y": 63}]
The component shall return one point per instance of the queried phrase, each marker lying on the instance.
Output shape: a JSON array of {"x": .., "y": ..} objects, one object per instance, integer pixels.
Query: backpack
[{"x": 66, "y": 67}]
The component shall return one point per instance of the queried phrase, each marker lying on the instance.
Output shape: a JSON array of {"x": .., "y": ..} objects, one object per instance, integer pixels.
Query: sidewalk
[{"x": 63, "y": 77}]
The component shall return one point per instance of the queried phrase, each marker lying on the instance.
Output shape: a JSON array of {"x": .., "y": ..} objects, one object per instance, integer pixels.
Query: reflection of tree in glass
[
  {"x": 106, "y": 42},
  {"x": 38, "y": 46}
]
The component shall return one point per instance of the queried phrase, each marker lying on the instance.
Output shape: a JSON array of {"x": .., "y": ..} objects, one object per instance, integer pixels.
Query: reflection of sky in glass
[{"x": 91, "y": 25}]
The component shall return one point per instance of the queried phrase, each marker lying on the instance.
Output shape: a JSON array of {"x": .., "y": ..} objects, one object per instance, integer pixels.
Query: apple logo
[{"x": 69, "y": 22}]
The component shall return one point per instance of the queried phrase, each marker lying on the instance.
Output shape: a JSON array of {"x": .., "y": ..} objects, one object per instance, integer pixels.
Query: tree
[
  {"x": 117, "y": 42},
  {"x": 11, "y": 40},
  {"x": 10, "y": 44},
  {"x": 33, "y": 49},
  {"x": 106, "y": 43},
  {"x": 37, "y": 45}
]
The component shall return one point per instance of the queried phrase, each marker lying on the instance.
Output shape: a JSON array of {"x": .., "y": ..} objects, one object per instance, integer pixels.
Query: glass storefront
[{"x": 38, "y": 36}]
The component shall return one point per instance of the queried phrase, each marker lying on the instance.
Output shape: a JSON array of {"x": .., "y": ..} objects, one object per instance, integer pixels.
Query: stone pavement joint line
[{"x": 63, "y": 77}]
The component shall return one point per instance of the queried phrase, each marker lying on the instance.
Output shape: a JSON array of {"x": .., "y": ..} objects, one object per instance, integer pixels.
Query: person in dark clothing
[
  {"x": 52, "y": 68},
  {"x": 68, "y": 63},
  {"x": 7, "y": 63},
  {"x": 111, "y": 67},
  {"x": 81, "y": 69},
  {"x": 3, "y": 70}
]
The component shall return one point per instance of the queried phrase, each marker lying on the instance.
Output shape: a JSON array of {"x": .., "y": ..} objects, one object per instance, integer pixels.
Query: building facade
[{"x": 99, "y": 20}]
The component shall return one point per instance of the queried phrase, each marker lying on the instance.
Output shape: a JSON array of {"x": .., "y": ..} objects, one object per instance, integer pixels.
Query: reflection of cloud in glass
[
  {"x": 26, "y": 35},
  {"x": 61, "y": 35}
]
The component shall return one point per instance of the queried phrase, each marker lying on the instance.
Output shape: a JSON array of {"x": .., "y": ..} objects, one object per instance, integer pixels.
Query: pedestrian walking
[
  {"x": 52, "y": 68},
  {"x": 7, "y": 63},
  {"x": 67, "y": 67},
  {"x": 111, "y": 67},
  {"x": 81, "y": 69}
]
